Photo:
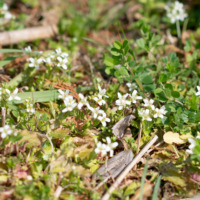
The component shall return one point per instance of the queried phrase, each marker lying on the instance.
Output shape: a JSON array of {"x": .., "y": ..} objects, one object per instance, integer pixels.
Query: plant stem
[{"x": 178, "y": 29}]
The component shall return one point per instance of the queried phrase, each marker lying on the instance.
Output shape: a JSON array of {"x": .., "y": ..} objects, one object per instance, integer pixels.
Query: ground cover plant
[{"x": 105, "y": 108}]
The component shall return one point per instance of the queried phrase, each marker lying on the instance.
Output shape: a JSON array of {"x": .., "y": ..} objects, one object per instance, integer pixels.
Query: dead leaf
[
  {"x": 170, "y": 137},
  {"x": 114, "y": 166},
  {"x": 119, "y": 128},
  {"x": 147, "y": 192}
]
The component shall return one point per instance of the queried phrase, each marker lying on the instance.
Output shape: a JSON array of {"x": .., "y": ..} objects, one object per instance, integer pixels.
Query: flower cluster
[
  {"x": 4, "y": 13},
  {"x": 105, "y": 148},
  {"x": 57, "y": 58},
  {"x": 192, "y": 144},
  {"x": 175, "y": 11},
  {"x": 7, "y": 130},
  {"x": 149, "y": 110},
  {"x": 71, "y": 104},
  {"x": 131, "y": 86}
]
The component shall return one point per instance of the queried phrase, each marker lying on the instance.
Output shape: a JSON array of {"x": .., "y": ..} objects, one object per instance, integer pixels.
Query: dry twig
[{"x": 129, "y": 167}]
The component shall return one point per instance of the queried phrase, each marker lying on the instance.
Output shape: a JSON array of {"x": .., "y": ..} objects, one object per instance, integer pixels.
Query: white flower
[
  {"x": 35, "y": 62},
  {"x": 13, "y": 96},
  {"x": 69, "y": 103},
  {"x": 131, "y": 86},
  {"x": 62, "y": 62},
  {"x": 160, "y": 112},
  {"x": 192, "y": 145},
  {"x": 103, "y": 119},
  {"x": 102, "y": 92},
  {"x": 111, "y": 145},
  {"x": 96, "y": 111},
  {"x": 149, "y": 103},
  {"x": 73, "y": 167},
  {"x": 6, "y": 130},
  {"x": 145, "y": 115},
  {"x": 48, "y": 60},
  {"x": 99, "y": 100},
  {"x": 82, "y": 102},
  {"x": 134, "y": 96},
  {"x": 0, "y": 91},
  {"x": 60, "y": 53},
  {"x": 102, "y": 148},
  {"x": 30, "y": 108},
  {"x": 28, "y": 49},
  {"x": 198, "y": 92},
  {"x": 63, "y": 95},
  {"x": 122, "y": 102}
]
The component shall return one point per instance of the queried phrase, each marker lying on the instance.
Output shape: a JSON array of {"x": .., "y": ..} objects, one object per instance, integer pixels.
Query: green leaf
[
  {"x": 39, "y": 96},
  {"x": 115, "y": 52},
  {"x": 117, "y": 45},
  {"x": 175, "y": 94},
  {"x": 141, "y": 43},
  {"x": 8, "y": 60},
  {"x": 12, "y": 51},
  {"x": 147, "y": 79},
  {"x": 108, "y": 61}
]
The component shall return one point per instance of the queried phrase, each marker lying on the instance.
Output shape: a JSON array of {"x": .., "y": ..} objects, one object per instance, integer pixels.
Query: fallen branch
[
  {"x": 28, "y": 34},
  {"x": 129, "y": 167}
]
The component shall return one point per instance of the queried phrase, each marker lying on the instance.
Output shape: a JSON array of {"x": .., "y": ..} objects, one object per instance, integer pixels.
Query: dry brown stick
[
  {"x": 28, "y": 34},
  {"x": 129, "y": 167}
]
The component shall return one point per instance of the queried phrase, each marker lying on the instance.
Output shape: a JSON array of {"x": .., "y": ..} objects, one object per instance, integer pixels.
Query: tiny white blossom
[
  {"x": 13, "y": 96},
  {"x": 145, "y": 115},
  {"x": 30, "y": 108},
  {"x": 103, "y": 119},
  {"x": 134, "y": 96},
  {"x": 131, "y": 86},
  {"x": 28, "y": 49},
  {"x": 122, "y": 101},
  {"x": 149, "y": 103},
  {"x": 35, "y": 62},
  {"x": 99, "y": 100},
  {"x": 69, "y": 103},
  {"x": 62, "y": 62},
  {"x": 83, "y": 101},
  {"x": 160, "y": 112},
  {"x": 102, "y": 92},
  {"x": 5, "y": 131},
  {"x": 48, "y": 60},
  {"x": 192, "y": 144},
  {"x": 60, "y": 53},
  {"x": 102, "y": 148},
  {"x": 111, "y": 145},
  {"x": 198, "y": 92},
  {"x": 63, "y": 95},
  {"x": 96, "y": 111}
]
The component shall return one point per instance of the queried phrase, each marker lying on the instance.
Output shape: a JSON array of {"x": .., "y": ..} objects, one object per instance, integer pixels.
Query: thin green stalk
[
  {"x": 143, "y": 180},
  {"x": 156, "y": 188},
  {"x": 178, "y": 29}
]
